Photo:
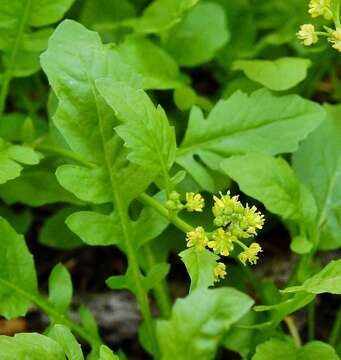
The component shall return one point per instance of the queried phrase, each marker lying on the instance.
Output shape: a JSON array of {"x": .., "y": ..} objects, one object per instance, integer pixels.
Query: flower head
[
  {"x": 320, "y": 8},
  {"x": 222, "y": 242},
  {"x": 250, "y": 254},
  {"x": 254, "y": 219},
  {"x": 335, "y": 39},
  {"x": 219, "y": 271},
  {"x": 307, "y": 34},
  {"x": 194, "y": 202},
  {"x": 197, "y": 238}
]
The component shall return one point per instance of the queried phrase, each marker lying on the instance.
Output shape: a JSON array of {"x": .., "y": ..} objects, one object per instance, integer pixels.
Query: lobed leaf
[{"x": 245, "y": 124}]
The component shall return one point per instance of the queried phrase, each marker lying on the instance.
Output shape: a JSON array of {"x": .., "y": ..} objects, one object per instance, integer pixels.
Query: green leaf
[
  {"x": 60, "y": 288},
  {"x": 327, "y": 280},
  {"x": 11, "y": 156},
  {"x": 17, "y": 273},
  {"x": 20, "y": 44},
  {"x": 158, "y": 69},
  {"x": 260, "y": 122},
  {"x": 279, "y": 75},
  {"x": 281, "y": 310},
  {"x": 54, "y": 232},
  {"x": 317, "y": 164},
  {"x": 106, "y": 354},
  {"x": 63, "y": 336},
  {"x": 276, "y": 349},
  {"x": 199, "y": 321},
  {"x": 145, "y": 129},
  {"x": 161, "y": 15},
  {"x": 200, "y": 266},
  {"x": 95, "y": 228},
  {"x": 269, "y": 180},
  {"x": 187, "y": 41},
  {"x": 88, "y": 322},
  {"x": 35, "y": 187},
  {"x": 30, "y": 346}
]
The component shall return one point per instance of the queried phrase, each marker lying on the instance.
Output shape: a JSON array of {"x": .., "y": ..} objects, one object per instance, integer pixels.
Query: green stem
[
  {"x": 160, "y": 290},
  {"x": 311, "y": 320},
  {"x": 335, "y": 333},
  {"x": 53, "y": 313},
  {"x": 10, "y": 67},
  {"x": 179, "y": 223},
  {"x": 127, "y": 231},
  {"x": 293, "y": 330}
]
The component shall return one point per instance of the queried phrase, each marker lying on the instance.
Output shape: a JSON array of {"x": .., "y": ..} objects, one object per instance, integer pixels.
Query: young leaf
[
  {"x": 63, "y": 336},
  {"x": 199, "y": 321},
  {"x": 10, "y": 158},
  {"x": 60, "y": 288},
  {"x": 17, "y": 273},
  {"x": 327, "y": 280},
  {"x": 145, "y": 129},
  {"x": 245, "y": 124},
  {"x": 30, "y": 345},
  {"x": 322, "y": 150},
  {"x": 275, "y": 349},
  {"x": 200, "y": 267},
  {"x": 280, "y": 74},
  {"x": 191, "y": 46}
]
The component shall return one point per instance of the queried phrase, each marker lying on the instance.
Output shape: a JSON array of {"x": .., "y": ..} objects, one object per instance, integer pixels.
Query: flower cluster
[
  {"x": 234, "y": 222},
  {"x": 308, "y": 34},
  {"x": 194, "y": 202}
]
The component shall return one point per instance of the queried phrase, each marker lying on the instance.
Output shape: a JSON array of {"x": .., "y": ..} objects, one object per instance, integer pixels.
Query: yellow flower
[
  {"x": 225, "y": 208},
  {"x": 335, "y": 39},
  {"x": 197, "y": 238},
  {"x": 307, "y": 34},
  {"x": 219, "y": 271},
  {"x": 195, "y": 202},
  {"x": 320, "y": 8},
  {"x": 254, "y": 219},
  {"x": 222, "y": 242},
  {"x": 250, "y": 254}
]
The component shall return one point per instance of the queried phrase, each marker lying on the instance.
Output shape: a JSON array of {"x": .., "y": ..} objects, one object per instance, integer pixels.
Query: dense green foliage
[{"x": 157, "y": 127}]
